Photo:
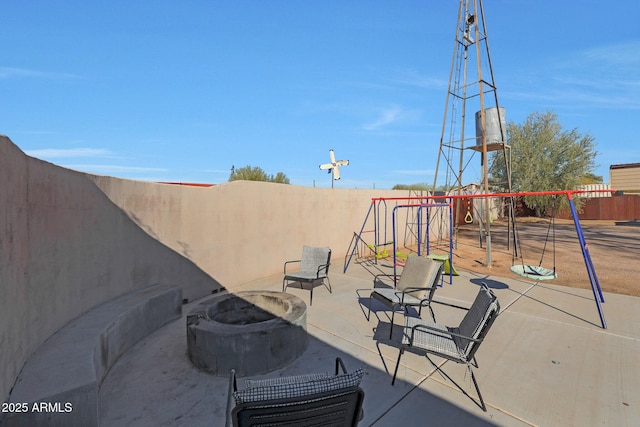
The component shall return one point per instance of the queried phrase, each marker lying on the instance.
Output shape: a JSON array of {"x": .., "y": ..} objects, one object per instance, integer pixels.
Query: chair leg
[
  {"x": 232, "y": 387},
  {"x": 329, "y": 283},
  {"x": 395, "y": 371},
  {"x": 369, "y": 312},
  {"x": 475, "y": 383},
  {"x": 433, "y": 316},
  {"x": 393, "y": 312},
  {"x": 473, "y": 378}
]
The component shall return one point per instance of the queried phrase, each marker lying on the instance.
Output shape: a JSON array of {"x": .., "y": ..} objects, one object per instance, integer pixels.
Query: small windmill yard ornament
[{"x": 334, "y": 166}]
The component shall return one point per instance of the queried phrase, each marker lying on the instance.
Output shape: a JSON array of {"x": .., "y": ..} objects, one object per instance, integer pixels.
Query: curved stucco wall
[
  {"x": 70, "y": 241},
  {"x": 64, "y": 248}
]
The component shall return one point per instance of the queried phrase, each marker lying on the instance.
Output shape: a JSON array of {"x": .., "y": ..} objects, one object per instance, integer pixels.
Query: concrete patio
[{"x": 546, "y": 361}]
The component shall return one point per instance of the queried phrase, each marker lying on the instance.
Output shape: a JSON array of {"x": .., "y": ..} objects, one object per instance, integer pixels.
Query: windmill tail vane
[{"x": 334, "y": 166}]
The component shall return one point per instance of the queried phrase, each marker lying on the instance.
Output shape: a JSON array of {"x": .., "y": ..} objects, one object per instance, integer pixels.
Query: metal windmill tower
[{"x": 471, "y": 88}]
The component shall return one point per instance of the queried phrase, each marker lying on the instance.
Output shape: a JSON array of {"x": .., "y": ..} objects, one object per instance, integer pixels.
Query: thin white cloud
[
  {"x": 616, "y": 55},
  {"x": 385, "y": 118},
  {"x": 602, "y": 77},
  {"x": 65, "y": 153},
  {"x": 14, "y": 72},
  {"x": 113, "y": 169},
  {"x": 59, "y": 155},
  {"x": 412, "y": 77}
]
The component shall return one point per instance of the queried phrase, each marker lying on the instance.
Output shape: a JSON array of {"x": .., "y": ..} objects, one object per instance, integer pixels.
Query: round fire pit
[{"x": 253, "y": 332}]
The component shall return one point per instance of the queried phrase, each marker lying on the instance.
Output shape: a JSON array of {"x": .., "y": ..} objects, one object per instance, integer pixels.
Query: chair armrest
[
  {"x": 450, "y": 305},
  {"x": 426, "y": 328},
  {"x": 375, "y": 278},
  {"x": 484, "y": 286},
  {"x": 289, "y": 262},
  {"x": 400, "y": 294},
  {"x": 322, "y": 267}
]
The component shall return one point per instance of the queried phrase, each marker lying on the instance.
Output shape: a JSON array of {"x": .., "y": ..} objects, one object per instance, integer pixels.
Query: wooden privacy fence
[{"x": 619, "y": 208}]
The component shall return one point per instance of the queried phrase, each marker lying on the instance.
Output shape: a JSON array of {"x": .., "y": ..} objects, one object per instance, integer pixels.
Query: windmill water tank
[{"x": 496, "y": 128}]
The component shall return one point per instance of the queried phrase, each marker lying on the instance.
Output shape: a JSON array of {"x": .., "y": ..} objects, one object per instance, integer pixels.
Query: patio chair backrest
[
  {"x": 420, "y": 272},
  {"x": 298, "y": 401},
  {"x": 313, "y": 258},
  {"x": 477, "y": 321},
  {"x": 334, "y": 408}
]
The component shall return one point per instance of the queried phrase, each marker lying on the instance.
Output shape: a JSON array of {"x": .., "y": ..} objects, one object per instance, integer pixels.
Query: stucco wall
[
  {"x": 70, "y": 241},
  {"x": 243, "y": 230}
]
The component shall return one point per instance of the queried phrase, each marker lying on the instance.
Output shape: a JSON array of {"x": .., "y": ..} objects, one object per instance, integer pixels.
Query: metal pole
[
  {"x": 483, "y": 124},
  {"x": 593, "y": 278}
]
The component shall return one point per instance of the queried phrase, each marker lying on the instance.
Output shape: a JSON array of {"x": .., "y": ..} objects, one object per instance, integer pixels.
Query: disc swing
[{"x": 538, "y": 272}]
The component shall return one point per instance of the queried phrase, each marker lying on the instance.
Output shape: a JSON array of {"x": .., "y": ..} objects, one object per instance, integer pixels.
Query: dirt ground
[{"x": 614, "y": 248}]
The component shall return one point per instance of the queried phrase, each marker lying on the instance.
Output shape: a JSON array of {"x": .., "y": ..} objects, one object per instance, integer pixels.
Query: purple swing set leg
[{"x": 593, "y": 278}]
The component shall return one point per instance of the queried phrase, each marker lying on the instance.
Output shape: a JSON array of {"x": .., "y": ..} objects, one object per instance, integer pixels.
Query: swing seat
[
  {"x": 447, "y": 267},
  {"x": 534, "y": 272}
]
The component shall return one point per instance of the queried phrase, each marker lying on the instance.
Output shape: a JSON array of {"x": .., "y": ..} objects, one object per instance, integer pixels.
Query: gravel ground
[{"x": 614, "y": 248}]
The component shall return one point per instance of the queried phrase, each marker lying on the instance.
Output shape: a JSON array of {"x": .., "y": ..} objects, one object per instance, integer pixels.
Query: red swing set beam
[{"x": 567, "y": 193}]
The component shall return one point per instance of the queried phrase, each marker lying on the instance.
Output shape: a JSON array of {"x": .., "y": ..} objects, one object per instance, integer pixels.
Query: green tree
[
  {"x": 590, "y": 178},
  {"x": 420, "y": 187},
  {"x": 280, "y": 178},
  {"x": 412, "y": 187},
  {"x": 255, "y": 173},
  {"x": 545, "y": 157}
]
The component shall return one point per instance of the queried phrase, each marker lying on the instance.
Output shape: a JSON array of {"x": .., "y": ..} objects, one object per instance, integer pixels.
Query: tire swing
[{"x": 538, "y": 272}]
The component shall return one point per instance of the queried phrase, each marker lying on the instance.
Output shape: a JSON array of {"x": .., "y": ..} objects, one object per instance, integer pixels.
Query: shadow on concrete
[
  {"x": 172, "y": 391},
  {"x": 632, "y": 223},
  {"x": 491, "y": 283}
]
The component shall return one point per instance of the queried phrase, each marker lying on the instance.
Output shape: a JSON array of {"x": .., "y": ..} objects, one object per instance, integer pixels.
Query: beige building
[{"x": 625, "y": 177}]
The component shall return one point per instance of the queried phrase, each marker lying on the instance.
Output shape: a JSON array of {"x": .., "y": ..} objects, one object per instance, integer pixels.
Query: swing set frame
[
  {"x": 443, "y": 200},
  {"x": 591, "y": 270}
]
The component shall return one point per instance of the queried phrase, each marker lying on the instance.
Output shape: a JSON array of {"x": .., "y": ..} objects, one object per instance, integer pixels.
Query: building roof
[{"x": 626, "y": 165}]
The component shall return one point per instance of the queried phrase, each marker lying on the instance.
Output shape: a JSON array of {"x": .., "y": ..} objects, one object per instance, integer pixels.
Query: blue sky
[{"x": 183, "y": 90}]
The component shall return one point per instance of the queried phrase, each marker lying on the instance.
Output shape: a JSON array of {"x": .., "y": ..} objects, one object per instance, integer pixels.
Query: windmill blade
[
  {"x": 336, "y": 173},
  {"x": 326, "y": 166},
  {"x": 332, "y": 156},
  {"x": 342, "y": 163}
]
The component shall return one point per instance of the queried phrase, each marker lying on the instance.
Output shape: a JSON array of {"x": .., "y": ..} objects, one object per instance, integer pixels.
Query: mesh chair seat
[
  {"x": 303, "y": 276},
  {"x": 442, "y": 343},
  {"x": 394, "y": 296}
]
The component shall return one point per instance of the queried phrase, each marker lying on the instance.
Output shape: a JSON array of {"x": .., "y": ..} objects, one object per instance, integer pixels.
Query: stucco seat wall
[{"x": 69, "y": 367}]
